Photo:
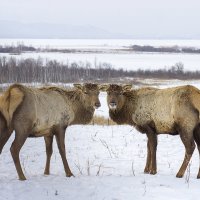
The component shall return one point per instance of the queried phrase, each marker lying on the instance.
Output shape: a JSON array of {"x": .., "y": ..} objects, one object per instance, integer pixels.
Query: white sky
[{"x": 139, "y": 17}]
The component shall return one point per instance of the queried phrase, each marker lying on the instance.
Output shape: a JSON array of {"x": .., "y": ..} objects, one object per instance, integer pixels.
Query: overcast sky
[{"x": 130, "y": 17}]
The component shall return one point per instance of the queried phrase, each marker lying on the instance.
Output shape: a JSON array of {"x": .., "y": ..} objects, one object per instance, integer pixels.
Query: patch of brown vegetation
[{"x": 100, "y": 120}]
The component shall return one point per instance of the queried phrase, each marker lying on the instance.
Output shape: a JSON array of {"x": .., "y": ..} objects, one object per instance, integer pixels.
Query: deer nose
[
  {"x": 112, "y": 105},
  {"x": 97, "y": 104}
]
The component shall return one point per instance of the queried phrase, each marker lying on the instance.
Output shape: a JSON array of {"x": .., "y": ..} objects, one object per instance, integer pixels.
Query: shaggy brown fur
[
  {"x": 44, "y": 112},
  {"x": 10, "y": 100},
  {"x": 158, "y": 111}
]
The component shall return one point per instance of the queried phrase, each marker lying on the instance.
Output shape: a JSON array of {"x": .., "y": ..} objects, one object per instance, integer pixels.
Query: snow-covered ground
[
  {"x": 107, "y": 162},
  {"x": 128, "y": 60},
  {"x": 96, "y": 43}
]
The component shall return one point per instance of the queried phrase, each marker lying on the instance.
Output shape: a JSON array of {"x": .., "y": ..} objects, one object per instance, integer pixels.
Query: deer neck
[
  {"x": 82, "y": 114},
  {"x": 122, "y": 116}
]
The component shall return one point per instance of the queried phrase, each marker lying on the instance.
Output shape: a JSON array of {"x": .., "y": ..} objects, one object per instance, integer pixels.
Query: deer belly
[
  {"x": 164, "y": 127},
  {"x": 45, "y": 123}
]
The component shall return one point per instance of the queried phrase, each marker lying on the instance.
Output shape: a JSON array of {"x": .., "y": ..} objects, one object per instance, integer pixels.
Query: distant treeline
[
  {"x": 173, "y": 49},
  {"x": 42, "y": 71},
  {"x": 20, "y": 48},
  {"x": 16, "y": 49}
]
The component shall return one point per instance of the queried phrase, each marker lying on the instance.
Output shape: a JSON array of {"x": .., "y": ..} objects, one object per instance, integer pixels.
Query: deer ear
[
  {"x": 78, "y": 86},
  {"x": 126, "y": 87},
  {"x": 103, "y": 87}
]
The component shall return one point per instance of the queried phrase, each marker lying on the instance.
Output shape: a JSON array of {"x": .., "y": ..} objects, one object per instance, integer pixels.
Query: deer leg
[
  {"x": 197, "y": 140},
  {"x": 60, "y": 139},
  {"x": 4, "y": 136},
  {"x": 148, "y": 161},
  {"x": 198, "y": 175},
  {"x": 188, "y": 141},
  {"x": 5, "y": 132},
  {"x": 49, "y": 151},
  {"x": 15, "y": 149},
  {"x": 152, "y": 140}
]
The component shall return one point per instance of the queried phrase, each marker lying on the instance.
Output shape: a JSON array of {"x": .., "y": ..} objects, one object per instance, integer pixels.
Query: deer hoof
[
  {"x": 146, "y": 170},
  {"x": 179, "y": 175},
  {"x": 70, "y": 175},
  {"x": 22, "y": 178},
  {"x": 46, "y": 173},
  {"x": 153, "y": 172}
]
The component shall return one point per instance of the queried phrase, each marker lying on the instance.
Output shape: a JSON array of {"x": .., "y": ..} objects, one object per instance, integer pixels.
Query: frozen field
[
  {"x": 129, "y": 60},
  {"x": 96, "y": 43},
  {"x": 115, "y": 172},
  {"x": 107, "y": 162}
]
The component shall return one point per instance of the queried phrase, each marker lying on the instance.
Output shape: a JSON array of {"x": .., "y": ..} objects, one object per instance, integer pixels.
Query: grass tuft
[{"x": 100, "y": 120}]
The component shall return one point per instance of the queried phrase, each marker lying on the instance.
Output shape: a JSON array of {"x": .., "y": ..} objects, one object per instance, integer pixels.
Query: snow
[
  {"x": 103, "y": 110},
  {"x": 96, "y": 43},
  {"x": 101, "y": 173},
  {"x": 128, "y": 60}
]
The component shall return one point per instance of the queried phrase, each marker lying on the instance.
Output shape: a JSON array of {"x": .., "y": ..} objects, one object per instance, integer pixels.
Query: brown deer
[
  {"x": 158, "y": 111},
  {"x": 48, "y": 111}
]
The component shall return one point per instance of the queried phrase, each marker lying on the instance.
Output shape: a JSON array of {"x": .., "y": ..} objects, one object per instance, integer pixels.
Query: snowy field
[
  {"x": 129, "y": 60},
  {"x": 107, "y": 162},
  {"x": 96, "y": 43},
  {"x": 113, "y": 172}
]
